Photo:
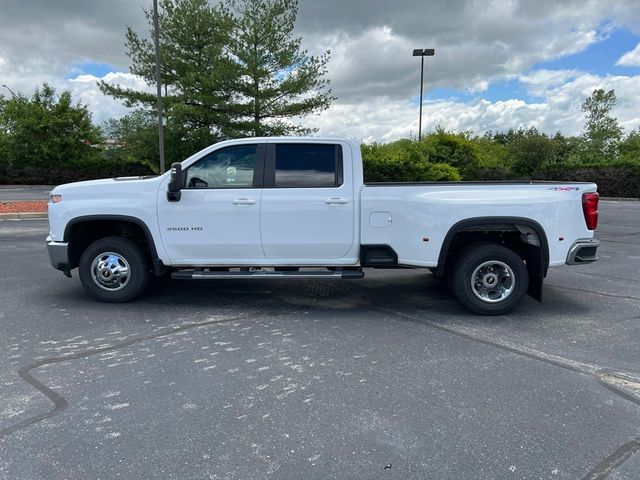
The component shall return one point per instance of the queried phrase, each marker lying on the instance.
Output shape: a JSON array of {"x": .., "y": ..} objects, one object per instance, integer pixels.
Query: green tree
[
  {"x": 197, "y": 71},
  {"x": 493, "y": 161},
  {"x": 403, "y": 161},
  {"x": 4, "y": 139},
  {"x": 631, "y": 143},
  {"x": 455, "y": 149},
  {"x": 47, "y": 131},
  {"x": 229, "y": 70},
  {"x": 278, "y": 80},
  {"x": 630, "y": 148},
  {"x": 602, "y": 133},
  {"x": 563, "y": 148},
  {"x": 133, "y": 137},
  {"x": 529, "y": 150}
]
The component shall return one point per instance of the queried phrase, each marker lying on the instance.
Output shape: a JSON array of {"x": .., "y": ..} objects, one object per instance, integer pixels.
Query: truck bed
[{"x": 415, "y": 217}]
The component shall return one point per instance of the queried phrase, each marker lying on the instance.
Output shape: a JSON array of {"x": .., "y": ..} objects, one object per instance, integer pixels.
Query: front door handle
[
  {"x": 337, "y": 201},
  {"x": 244, "y": 201}
]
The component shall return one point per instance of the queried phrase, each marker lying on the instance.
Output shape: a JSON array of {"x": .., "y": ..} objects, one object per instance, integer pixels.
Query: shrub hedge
[
  {"x": 56, "y": 176},
  {"x": 612, "y": 181},
  {"x": 484, "y": 159},
  {"x": 401, "y": 161}
]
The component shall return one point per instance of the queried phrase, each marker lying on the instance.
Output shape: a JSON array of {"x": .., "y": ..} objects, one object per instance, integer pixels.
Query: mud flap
[{"x": 535, "y": 267}]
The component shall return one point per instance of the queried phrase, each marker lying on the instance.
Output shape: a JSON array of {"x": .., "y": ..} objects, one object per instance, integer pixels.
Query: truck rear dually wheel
[
  {"x": 489, "y": 279},
  {"x": 114, "y": 269}
]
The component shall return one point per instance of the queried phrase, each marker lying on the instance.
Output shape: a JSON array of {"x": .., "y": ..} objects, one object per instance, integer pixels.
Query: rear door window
[{"x": 308, "y": 165}]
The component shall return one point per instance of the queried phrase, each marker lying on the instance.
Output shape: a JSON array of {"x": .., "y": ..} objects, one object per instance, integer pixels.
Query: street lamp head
[
  {"x": 424, "y": 52},
  {"x": 10, "y": 91}
]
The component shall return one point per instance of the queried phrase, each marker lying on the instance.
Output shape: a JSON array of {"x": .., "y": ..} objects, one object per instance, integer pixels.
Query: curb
[{"x": 24, "y": 216}]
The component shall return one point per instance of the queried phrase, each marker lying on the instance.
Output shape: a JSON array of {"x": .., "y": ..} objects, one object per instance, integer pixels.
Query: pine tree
[
  {"x": 278, "y": 79},
  {"x": 229, "y": 70},
  {"x": 197, "y": 71}
]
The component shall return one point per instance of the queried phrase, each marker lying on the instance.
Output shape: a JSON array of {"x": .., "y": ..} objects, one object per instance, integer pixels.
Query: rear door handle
[
  {"x": 244, "y": 201},
  {"x": 337, "y": 201}
]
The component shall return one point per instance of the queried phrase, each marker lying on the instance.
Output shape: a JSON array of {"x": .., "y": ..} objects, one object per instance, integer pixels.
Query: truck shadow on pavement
[{"x": 406, "y": 292}]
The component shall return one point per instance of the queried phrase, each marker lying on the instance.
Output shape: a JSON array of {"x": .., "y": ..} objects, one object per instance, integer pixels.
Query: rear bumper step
[
  {"x": 257, "y": 274},
  {"x": 583, "y": 251}
]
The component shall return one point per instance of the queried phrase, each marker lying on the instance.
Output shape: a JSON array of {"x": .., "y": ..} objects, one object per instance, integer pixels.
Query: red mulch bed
[{"x": 23, "y": 207}]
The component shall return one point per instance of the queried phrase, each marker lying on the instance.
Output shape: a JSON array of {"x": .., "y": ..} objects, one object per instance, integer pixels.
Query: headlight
[{"x": 55, "y": 198}]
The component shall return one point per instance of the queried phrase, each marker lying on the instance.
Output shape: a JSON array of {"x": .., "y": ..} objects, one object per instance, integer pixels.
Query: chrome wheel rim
[
  {"x": 493, "y": 281},
  {"x": 110, "y": 271}
]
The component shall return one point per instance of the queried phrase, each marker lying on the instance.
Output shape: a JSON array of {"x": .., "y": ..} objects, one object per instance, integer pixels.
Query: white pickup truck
[{"x": 287, "y": 207}]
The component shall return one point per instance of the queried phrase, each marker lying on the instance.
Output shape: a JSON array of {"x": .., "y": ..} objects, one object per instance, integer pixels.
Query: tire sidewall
[
  {"x": 469, "y": 259},
  {"x": 138, "y": 265}
]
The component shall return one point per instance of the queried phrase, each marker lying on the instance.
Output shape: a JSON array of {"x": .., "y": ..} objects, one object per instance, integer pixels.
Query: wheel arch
[
  {"x": 88, "y": 228},
  {"x": 536, "y": 257}
]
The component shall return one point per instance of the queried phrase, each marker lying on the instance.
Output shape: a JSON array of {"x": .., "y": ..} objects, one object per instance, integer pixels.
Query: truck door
[
  {"x": 217, "y": 219},
  {"x": 307, "y": 211}
]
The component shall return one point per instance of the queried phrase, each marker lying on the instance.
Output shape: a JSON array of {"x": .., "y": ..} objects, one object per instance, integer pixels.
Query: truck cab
[{"x": 269, "y": 203}]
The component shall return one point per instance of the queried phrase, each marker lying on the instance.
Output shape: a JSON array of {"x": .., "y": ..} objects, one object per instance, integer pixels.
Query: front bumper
[
  {"x": 583, "y": 251},
  {"x": 58, "y": 254}
]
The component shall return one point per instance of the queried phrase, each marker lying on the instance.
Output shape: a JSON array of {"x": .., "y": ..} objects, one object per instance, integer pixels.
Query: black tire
[
  {"x": 107, "y": 284},
  {"x": 501, "y": 279}
]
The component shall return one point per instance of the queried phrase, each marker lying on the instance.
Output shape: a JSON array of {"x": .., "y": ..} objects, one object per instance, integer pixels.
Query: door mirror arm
[{"x": 176, "y": 182}]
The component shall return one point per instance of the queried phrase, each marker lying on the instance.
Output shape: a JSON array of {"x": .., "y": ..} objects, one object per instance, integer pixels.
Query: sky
[{"x": 499, "y": 64}]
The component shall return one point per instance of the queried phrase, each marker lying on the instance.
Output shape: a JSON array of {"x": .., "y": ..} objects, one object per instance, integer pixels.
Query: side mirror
[{"x": 175, "y": 182}]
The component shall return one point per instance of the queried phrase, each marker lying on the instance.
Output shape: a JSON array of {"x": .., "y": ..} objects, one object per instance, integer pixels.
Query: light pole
[
  {"x": 156, "y": 38},
  {"x": 11, "y": 91},
  {"x": 422, "y": 52}
]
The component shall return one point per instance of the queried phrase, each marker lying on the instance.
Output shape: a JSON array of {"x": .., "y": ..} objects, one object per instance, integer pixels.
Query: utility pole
[
  {"x": 156, "y": 36},
  {"x": 422, "y": 52}
]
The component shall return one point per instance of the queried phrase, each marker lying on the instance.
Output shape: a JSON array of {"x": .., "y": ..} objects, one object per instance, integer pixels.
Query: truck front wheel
[
  {"x": 114, "y": 269},
  {"x": 489, "y": 279}
]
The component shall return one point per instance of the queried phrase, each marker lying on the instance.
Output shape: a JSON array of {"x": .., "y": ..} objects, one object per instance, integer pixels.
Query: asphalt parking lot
[{"x": 381, "y": 378}]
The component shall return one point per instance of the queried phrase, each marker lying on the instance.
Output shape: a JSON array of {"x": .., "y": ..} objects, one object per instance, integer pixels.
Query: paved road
[
  {"x": 382, "y": 378},
  {"x": 24, "y": 192}
]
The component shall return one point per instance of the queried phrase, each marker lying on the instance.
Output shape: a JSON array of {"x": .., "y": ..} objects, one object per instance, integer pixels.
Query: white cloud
[
  {"x": 378, "y": 60},
  {"x": 385, "y": 119},
  {"x": 84, "y": 89},
  {"x": 477, "y": 42},
  {"x": 370, "y": 63},
  {"x": 540, "y": 82},
  {"x": 630, "y": 59},
  {"x": 371, "y": 69}
]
